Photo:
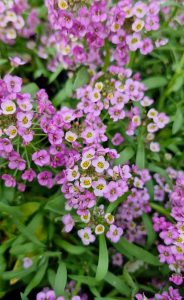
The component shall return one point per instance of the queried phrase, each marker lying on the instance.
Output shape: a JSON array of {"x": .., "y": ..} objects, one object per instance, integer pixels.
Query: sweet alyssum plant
[{"x": 90, "y": 150}]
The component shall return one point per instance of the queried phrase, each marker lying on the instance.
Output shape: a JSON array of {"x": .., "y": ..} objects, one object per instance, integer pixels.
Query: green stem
[{"x": 107, "y": 56}]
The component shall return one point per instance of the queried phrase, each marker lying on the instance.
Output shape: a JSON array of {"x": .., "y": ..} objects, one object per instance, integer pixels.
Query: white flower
[{"x": 8, "y": 107}]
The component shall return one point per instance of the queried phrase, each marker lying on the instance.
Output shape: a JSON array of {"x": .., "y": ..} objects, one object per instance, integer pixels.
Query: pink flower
[
  {"x": 27, "y": 262},
  {"x": 29, "y": 175},
  {"x": 6, "y": 145},
  {"x": 13, "y": 83},
  {"x": 41, "y": 158},
  {"x": 68, "y": 222},
  {"x": 113, "y": 191},
  {"x": 99, "y": 187},
  {"x": 117, "y": 139},
  {"x": 114, "y": 233},
  {"x": 9, "y": 180},
  {"x": 100, "y": 164},
  {"x": 17, "y": 61},
  {"x": 146, "y": 47},
  {"x": 134, "y": 41},
  {"x": 24, "y": 119},
  {"x": 86, "y": 236},
  {"x": 45, "y": 179},
  {"x": 176, "y": 279}
]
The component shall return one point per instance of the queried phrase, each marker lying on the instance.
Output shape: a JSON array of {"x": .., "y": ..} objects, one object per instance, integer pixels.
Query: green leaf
[
  {"x": 140, "y": 156},
  {"x": 161, "y": 210},
  {"x": 130, "y": 282},
  {"x": 112, "y": 206},
  {"x": 125, "y": 155},
  {"x": 178, "y": 121},
  {"x": 118, "y": 283},
  {"x": 23, "y": 297},
  {"x": 64, "y": 93},
  {"x": 28, "y": 233},
  {"x": 103, "y": 260},
  {"x": 178, "y": 83},
  {"x": 138, "y": 252},
  {"x": 8, "y": 275},
  {"x": 54, "y": 75},
  {"x": 37, "y": 278},
  {"x": 91, "y": 281},
  {"x": 150, "y": 188},
  {"x": 51, "y": 277},
  {"x": 155, "y": 82},
  {"x": 30, "y": 88},
  {"x": 151, "y": 236},
  {"x": 56, "y": 205},
  {"x": 72, "y": 249},
  {"x": 22, "y": 249},
  {"x": 81, "y": 79},
  {"x": 3, "y": 61},
  {"x": 10, "y": 210},
  {"x": 60, "y": 279}
]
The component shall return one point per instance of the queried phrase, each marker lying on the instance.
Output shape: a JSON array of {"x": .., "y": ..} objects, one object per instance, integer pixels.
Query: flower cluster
[
  {"x": 171, "y": 294},
  {"x": 49, "y": 294},
  {"x": 123, "y": 97},
  {"x": 13, "y": 22},
  {"x": 171, "y": 251},
  {"x": 130, "y": 211},
  {"x": 81, "y": 30}
]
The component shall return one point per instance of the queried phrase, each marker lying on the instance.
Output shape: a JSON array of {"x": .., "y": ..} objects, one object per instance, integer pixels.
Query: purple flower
[
  {"x": 45, "y": 179},
  {"x": 27, "y": 262},
  {"x": 86, "y": 236},
  {"x": 13, "y": 83},
  {"x": 68, "y": 222},
  {"x": 113, "y": 191},
  {"x": 114, "y": 233},
  {"x": 41, "y": 158}
]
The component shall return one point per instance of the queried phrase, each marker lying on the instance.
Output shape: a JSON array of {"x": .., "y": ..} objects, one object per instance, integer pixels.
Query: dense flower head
[
  {"x": 171, "y": 251},
  {"x": 13, "y": 22},
  {"x": 81, "y": 29}
]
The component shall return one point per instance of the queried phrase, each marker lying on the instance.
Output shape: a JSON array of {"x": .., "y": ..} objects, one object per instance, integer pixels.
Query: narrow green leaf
[
  {"x": 91, "y": 281},
  {"x": 81, "y": 79},
  {"x": 178, "y": 121},
  {"x": 54, "y": 75},
  {"x": 27, "y": 233},
  {"x": 11, "y": 210},
  {"x": 64, "y": 93},
  {"x": 72, "y": 249},
  {"x": 130, "y": 282},
  {"x": 151, "y": 236},
  {"x": 3, "y": 61},
  {"x": 22, "y": 249},
  {"x": 118, "y": 283},
  {"x": 60, "y": 279},
  {"x": 51, "y": 277},
  {"x": 125, "y": 155},
  {"x": 56, "y": 204},
  {"x": 155, "y": 82},
  {"x": 140, "y": 156},
  {"x": 138, "y": 252},
  {"x": 23, "y": 297},
  {"x": 103, "y": 260},
  {"x": 161, "y": 210},
  {"x": 8, "y": 275},
  {"x": 150, "y": 188},
  {"x": 30, "y": 88},
  {"x": 112, "y": 206},
  {"x": 37, "y": 278}
]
